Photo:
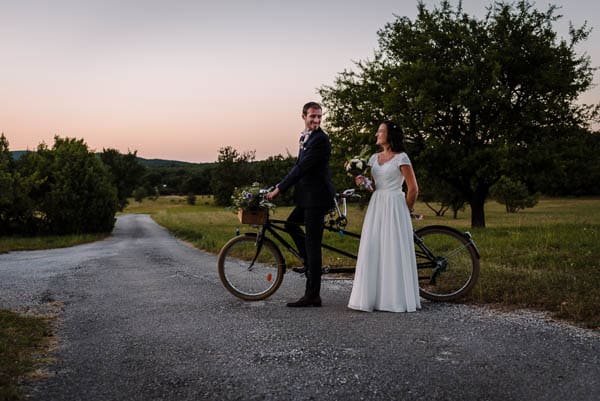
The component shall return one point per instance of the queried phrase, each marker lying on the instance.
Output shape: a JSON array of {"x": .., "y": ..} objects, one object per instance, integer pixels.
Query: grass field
[
  {"x": 23, "y": 340},
  {"x": 16, "y": 243},
  {"x": 546, "y": 258}
]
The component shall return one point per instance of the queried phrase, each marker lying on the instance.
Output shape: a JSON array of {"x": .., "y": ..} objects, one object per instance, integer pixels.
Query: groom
[{"x": 314, "y": 198}]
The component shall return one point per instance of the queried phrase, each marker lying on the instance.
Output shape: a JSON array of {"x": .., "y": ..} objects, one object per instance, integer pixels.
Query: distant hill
[
  {"x": 163, "y": 163},
  {"x": 16, "y": 155}
]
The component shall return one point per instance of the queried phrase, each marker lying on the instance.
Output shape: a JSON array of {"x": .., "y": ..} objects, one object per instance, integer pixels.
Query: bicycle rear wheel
[
  {"x": 248, "y": 271},
  {"x": 447, "y": 263}
]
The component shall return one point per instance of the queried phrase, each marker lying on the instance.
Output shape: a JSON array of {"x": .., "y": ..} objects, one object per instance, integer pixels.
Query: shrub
[
  {"x": 126, "y": 172},
  {"x": 513, "y": 194},
  {"x": 191, "y": 199},
  {"x": 76, "y": 194},
  {"x": 139, "y": 194}
]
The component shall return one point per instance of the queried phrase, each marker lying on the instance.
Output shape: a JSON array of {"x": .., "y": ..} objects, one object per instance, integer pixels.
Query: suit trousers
[{"x": 309, "y": 243}]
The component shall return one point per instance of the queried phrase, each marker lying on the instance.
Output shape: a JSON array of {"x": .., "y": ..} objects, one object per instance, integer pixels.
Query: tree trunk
[{"x": 477, "y": 211}]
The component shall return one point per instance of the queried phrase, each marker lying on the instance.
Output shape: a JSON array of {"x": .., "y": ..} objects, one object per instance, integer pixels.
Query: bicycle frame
[
  {"x": 437, "y": 264},
  {"x": 274, "y": 225},
  {"x": 334, "y": 224}
]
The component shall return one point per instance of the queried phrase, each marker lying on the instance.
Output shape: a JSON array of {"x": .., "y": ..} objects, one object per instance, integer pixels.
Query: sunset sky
[{"x": 180, "y": 79}]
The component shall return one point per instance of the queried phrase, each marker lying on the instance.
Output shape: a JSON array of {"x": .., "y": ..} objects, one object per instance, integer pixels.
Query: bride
[{"x": 386, "y": 270}]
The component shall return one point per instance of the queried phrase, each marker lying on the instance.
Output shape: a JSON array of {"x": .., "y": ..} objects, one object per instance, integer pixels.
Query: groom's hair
[
  {"x": 395, "y": 136},
  {"x": 310, "y": 105}
]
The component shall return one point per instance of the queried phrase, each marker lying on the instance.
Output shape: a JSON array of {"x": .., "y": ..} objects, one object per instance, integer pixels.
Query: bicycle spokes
[
  {"x": 250, "y": 270},
  {"x": 446, "y": 262}
]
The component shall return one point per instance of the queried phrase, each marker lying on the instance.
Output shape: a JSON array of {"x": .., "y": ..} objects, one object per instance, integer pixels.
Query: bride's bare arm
[{"x": 411, "y": 184}]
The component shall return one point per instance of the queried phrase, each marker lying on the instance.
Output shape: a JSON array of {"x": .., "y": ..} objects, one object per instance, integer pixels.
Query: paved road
[{"x": 145, "y": 318}]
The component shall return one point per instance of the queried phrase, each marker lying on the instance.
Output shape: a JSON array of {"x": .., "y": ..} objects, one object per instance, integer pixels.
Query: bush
[
  {"x": 126, "y": 172},
  {"x": 75, "y": 194},
  {"x": 191, "y": 199},
  {"x": 17, "y": 209},
  {"x": 513, "y": 194},
  {"x": 232, "y": 170},
  {"x": 139, "y": 194},
  {"x": 433, "y": 190}
]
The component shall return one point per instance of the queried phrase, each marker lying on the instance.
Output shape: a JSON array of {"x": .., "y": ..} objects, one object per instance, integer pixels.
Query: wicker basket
[{"x": 257, "y": 217}]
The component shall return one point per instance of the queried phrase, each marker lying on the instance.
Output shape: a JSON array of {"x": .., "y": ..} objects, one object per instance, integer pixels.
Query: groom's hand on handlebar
[{"x": 273, "y": 194}]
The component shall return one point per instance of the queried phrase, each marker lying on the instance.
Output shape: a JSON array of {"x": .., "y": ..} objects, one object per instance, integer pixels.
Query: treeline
[
  {"x": 68, "y": 189},
  {"x": 232, "y": 169},
  {"x": 566, "y": 165},
  {"x": 65, "y": 189}
]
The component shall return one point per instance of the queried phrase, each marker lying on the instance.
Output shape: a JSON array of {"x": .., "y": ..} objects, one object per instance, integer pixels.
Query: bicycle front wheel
[
  {"x": 249, "y": 269},
  {"x": 447, "y": 263}
]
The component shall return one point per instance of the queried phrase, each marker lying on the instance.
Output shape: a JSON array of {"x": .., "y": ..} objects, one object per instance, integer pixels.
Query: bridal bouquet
[{"x": 358, "y": 166}]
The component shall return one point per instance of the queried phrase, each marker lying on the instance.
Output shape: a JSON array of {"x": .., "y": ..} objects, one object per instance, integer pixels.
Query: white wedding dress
[{"x": 386, "y": 270}]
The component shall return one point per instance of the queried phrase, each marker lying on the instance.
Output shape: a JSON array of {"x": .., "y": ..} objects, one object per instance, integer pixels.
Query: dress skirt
[{"x": 386, "y": 276}]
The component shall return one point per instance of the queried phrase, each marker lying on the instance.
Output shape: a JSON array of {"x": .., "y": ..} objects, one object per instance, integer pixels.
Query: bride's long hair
[{"x": 395, "y": 137}]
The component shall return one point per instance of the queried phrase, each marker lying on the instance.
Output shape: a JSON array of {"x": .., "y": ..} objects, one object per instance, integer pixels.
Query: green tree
[
  {"x": 232, "y": 170},
  {"x": 197, "y": 183},
  {"x": 562, "y": 166},
  {"x": 139, "y": 194},
  {"x": 272, "y": 170},
  {"x": 433, "y": 190},
  {"x": 513, "y": 194},
  {"x": 6, "y": 185},
  {"x": 75, "y": 194},
  {"x": 126, "y": 172},
  {"x": 471, "y": 93},
  {"x": 17, "y": 208}
]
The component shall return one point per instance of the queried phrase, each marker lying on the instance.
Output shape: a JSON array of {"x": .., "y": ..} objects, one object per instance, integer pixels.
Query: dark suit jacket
[{"x": 311, "y": 174}]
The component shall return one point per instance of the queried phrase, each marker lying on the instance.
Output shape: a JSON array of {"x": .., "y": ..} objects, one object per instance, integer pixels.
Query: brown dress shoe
[{"x": 305, "y": 301}]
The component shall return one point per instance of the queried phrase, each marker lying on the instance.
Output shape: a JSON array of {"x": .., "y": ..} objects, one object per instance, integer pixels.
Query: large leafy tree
[
  {"x": 6, "y": 179},
  {"x": 75, "y": 194},
  {"x": 472, "y": 93},
  {"x": 272, "y": 170},
  {"x": 6, "y": 185},
  {"x": 563, "y": 166},
  {"x": 125, "y": 170},
  {"x": 233, "y": 169},
  {"x": 17, "y": 210}
]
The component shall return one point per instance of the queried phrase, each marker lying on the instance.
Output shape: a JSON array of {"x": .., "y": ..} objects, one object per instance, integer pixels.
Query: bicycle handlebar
[
  {"x": 265, "y": 191},
  {"x": 349, "y": 194}
]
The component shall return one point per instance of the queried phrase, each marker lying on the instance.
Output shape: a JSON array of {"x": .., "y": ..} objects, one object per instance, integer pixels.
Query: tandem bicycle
[{"x": 252, "y": 266}]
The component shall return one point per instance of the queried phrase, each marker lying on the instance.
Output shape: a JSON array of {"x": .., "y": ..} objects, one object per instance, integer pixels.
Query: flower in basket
[{"x": 250, "y": 198}]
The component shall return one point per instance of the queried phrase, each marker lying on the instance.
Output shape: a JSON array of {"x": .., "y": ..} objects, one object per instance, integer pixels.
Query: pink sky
[{"x": 178, "y": 80}]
